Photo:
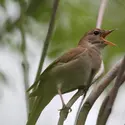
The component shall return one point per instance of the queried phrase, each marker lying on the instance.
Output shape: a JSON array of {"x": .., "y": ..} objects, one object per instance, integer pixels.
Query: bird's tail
[{"x": 40, "y": 104}]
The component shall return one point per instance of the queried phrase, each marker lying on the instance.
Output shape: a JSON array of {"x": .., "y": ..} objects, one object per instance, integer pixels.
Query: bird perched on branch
[{"x": 73, "y": 70}]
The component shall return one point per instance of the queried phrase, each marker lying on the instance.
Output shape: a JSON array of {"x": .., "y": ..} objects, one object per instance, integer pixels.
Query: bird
[{"x": 73, "y": 70}]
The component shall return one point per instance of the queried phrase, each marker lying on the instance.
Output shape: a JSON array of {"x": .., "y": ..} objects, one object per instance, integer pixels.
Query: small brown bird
[{"x": 71, "y": 71}]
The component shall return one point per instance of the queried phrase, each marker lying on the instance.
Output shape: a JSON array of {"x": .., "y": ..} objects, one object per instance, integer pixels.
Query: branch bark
[
  {"x": 48, "y": 37},
  {"x": 46, "y": 42},
  {"x": 25, "y": 64},
  {"x": 108, "y": 102}
]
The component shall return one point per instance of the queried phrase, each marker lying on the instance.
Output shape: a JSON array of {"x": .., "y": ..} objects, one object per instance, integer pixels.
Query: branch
[
  {"x": 101, "y": 13},
  {"x": 64, "y": 111},
  {"x": 48, "y": 37},
  {"x": 25, "y": 65},
  {"x": 96, "y": 93},
  {"x": 108, "y": 102},
  {"x": 46, "y": 42}
]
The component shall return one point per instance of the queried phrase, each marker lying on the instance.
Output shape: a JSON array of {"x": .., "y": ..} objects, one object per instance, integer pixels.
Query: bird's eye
[{"x": 96, "y": 32}]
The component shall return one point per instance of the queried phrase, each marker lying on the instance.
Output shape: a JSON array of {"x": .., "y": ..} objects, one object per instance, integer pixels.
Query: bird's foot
[{"x": 66, "y": 109}]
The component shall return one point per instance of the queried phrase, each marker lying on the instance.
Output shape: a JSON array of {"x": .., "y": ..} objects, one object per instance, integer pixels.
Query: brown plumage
[{"x": 72, "y": 70}]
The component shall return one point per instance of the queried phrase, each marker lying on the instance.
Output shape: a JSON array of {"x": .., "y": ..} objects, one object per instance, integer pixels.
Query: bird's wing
[
  {"x": 72, "y": 54},
  {"x": 69, "y": 56}
]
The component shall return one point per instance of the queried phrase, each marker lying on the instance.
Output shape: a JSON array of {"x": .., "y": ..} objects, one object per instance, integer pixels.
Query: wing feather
[{"x": 69, "y": 56}]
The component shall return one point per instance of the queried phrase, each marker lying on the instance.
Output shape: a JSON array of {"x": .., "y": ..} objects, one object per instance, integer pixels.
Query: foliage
[{"x": 73, "y": 20}]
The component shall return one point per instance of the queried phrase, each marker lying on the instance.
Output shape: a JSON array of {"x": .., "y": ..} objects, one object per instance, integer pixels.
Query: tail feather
[
  {"x": 32, "y": 86},
  {"x": 35, "y": 93},
  {"x": 38, "y": 107},
  {"x": 36, "y": 111},
  {"x": 35, "y": 83}
]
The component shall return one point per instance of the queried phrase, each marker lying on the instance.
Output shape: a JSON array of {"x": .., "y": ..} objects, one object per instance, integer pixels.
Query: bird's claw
[{"x": 66, "y": 108}]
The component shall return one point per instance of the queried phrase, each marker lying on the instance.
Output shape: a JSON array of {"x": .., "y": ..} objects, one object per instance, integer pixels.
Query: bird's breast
[{"x": 95, "y": 58}]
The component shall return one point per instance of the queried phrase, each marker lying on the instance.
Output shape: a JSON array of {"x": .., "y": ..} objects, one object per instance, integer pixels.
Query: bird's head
[{"x": 96, "y": 37}]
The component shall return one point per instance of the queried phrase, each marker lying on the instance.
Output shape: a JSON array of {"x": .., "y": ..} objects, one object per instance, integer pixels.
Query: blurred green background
[{"x": 74, "y": 18}]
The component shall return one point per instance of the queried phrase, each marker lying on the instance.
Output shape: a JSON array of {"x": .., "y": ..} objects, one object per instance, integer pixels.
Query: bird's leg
[
  {"x": 64, "y": 106},
  {"x": 61, "y": 97}
]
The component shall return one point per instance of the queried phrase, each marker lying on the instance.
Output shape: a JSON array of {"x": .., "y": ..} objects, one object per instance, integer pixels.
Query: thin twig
[
  {"x": 101, "y": 13},
  {"x": 65, "y": 110},
  {"x": 25, "y": 65},
  {"x": 79, "y": 108},
  {"x": 46, "y": 42},
  {"x": 96, "y": 93},
  {"x": 48, "y": 37},
  {"x": 108, "y": 102}
]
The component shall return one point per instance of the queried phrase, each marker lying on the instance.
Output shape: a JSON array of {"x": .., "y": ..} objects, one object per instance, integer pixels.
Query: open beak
[{"x": 107, "y": 32}]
